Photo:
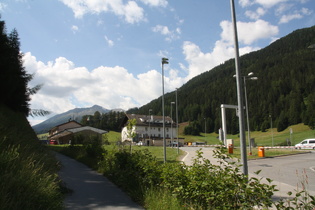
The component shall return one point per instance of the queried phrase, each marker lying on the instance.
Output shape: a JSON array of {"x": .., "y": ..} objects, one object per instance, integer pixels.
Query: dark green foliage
[
  {"x": 13, "y": 86},
  {"x": 284, "y": 89},
  {"x": 106, "y": 121},
  {"x": 199, "y": 186},
  {"x": 134, "y": 172},
  {"x": 192, "y": 129}
]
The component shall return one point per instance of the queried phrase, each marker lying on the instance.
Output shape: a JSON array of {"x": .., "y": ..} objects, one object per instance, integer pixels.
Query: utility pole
[{"x": 239, "y": 95}]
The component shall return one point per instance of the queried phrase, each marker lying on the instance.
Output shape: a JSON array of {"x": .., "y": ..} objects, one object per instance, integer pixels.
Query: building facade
[
  {"x": 148, "y": 130},
  {"x": 67, "y": 132}
]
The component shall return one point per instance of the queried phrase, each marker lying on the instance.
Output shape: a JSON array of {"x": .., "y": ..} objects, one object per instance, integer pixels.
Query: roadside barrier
[{"x": 280, "y": 147}]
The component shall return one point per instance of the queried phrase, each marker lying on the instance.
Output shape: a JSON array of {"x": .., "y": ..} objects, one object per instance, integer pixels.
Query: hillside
[
  {"x": 28, "y": 171},
  {"x": 284, "y": 92},
  {"x": 75, "y": 114}
]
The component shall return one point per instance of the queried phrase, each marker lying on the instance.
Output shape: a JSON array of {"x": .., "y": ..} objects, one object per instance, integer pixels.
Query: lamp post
[
  {"x": 150, "y": 110},
  {"x": 177, "y": 122},
  {"x": 249, "y": 77},
  {"x": 239, "y": 95},
  {"x": 271, "y": 129},
  {"x": 164, "y": 61},
  {"x": 205, "y": 127},
  {"x": 172, "y": 122}
]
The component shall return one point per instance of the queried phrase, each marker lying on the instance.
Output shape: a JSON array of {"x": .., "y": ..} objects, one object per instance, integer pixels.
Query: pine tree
[{"x": 14, "y": 79}]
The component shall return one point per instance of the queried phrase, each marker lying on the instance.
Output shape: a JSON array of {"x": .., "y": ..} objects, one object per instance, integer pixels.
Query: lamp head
[
  {"x": 250, "y": 74},
  {"x": 164, "y": 60}
]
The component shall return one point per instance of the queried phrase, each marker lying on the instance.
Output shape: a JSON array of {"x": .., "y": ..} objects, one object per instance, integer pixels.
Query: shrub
[{"x": 207, "y": 186}]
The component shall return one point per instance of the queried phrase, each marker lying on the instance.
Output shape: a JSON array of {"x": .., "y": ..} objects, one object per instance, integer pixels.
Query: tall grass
[{"x": 27, "y": 169}]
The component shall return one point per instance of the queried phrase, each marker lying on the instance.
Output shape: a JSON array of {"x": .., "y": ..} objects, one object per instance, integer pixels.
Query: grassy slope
[
  {"x": 300, "y": 132},
  {"x": 27, "y": 170}
]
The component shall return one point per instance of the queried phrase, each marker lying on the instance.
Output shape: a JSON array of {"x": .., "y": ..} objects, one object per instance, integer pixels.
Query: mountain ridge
[
  {"x": 283, "y": 95},
  {"x": 73, "y": 114}
]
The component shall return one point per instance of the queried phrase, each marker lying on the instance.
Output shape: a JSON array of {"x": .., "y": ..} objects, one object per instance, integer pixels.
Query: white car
[{"x": 306, "y": 144}]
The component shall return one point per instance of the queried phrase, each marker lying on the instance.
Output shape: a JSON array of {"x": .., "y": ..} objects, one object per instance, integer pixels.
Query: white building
[{"x": 149, "y": 130}]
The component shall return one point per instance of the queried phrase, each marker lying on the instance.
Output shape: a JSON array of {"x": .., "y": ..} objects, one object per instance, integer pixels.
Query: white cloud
[
  {"x": 109, "y": 42},
  {"x": 67, "y": 86},
  {"x": 74, "y": 28},
  {"x": 296, "y": 15},
  {"x": 131, "y": 11},
  {"x": 199, "y": 62},
  {"x": 248, "y": 32},
  {"x": 264, "y": 3},
  {"x": 245, "y": 3},
  {"x": 269, "y": 3},
  {"x": 2, "y": 6},
  {"x": 164, "y": 30},
  {"x": 255, "y": 15},
  {"x": 155, "y": 3}
]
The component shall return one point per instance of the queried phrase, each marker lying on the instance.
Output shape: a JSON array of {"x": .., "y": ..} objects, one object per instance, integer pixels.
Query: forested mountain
[
  {"x": 106, "y": 121},
  {"x": 283, "y": 93}
]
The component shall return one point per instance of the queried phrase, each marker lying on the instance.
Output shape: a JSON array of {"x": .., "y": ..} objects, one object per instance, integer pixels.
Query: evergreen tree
[{"x": 14, "y": 79}]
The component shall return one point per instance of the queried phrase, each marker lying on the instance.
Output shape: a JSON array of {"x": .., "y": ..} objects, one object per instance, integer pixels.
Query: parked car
[
  {"x": 306, "y": 144},
  {"x": 53, "y": 142}
]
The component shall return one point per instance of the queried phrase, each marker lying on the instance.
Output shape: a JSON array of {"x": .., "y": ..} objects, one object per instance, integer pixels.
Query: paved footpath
[{"x": 91, "y": 190}]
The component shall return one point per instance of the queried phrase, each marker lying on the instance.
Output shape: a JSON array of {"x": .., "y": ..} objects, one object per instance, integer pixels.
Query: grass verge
[{"x": 28, "y": 172}]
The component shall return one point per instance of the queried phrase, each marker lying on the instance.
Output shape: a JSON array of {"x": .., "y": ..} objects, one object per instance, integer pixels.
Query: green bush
[{"x": 202, "y": 185}]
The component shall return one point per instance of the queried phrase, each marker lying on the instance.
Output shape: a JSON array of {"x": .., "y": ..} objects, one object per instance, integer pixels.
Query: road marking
[
  {"x": 187, "y": 153},
  {"x": 312, "y": 168}
]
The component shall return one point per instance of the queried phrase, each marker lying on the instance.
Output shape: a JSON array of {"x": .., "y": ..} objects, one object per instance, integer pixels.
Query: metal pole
[
  {"x": 205, "y": 128},
  {"x": 172, "y": 123},
  {"x": 177, "y": 123},
  {"x": 164, "y": 61},
  {"x": 248, "y": 131},
  {"x": 239, "y": 95},
  {"x": 150, "y": 110},
  {"x": 271, "y": 130}
]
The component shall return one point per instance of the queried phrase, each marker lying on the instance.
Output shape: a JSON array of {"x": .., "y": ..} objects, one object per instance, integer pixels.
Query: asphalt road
[
  {"x": 287, "y": 172},
  {"x": 293, "y": 169}
]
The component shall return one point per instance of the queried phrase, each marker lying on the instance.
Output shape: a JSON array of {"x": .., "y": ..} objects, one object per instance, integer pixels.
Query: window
[
  {"x": 159, "y": 129},
  {"x": 146, "y": 128}
]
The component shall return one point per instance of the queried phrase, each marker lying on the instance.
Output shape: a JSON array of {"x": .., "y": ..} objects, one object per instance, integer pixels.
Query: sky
[{"x": 108, "y": 52}]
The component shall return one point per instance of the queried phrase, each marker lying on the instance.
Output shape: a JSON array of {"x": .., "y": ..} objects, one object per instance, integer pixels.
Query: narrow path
[{"x": 91, "y": 190}]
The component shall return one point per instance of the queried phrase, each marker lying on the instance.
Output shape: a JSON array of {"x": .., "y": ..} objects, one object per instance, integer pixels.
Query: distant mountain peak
[{"x": 75, "y": 114}]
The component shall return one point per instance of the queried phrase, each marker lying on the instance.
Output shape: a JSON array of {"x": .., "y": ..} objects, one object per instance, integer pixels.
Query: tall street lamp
[
  {"x": 172, "y": 121},
  {"x": 271, "y": 129},
  {"x": 150, "y": 110},
  {"x": 177, "y": 123},
  {"x": 164, "y": 61},
  {"x": 239, "y": 95},
  {"x": 249, "y": 77},
  {"x": 205, "y": 127}
]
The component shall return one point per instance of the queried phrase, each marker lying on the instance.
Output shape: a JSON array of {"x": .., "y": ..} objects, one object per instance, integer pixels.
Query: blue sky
[{"x": 108, "y": 52}]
